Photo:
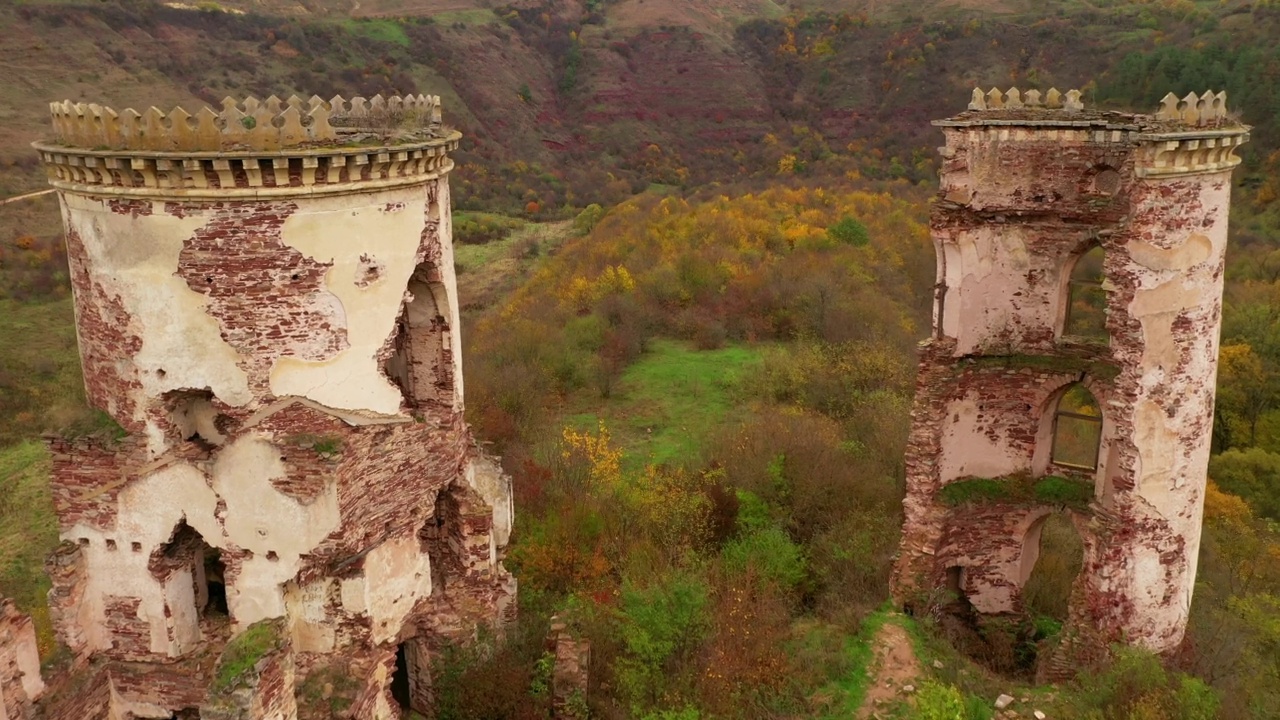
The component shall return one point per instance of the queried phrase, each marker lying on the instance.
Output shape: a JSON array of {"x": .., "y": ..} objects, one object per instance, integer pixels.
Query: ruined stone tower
[
  {"x": 292, "y": 514},
  {"x": 1073, "y": 356}
]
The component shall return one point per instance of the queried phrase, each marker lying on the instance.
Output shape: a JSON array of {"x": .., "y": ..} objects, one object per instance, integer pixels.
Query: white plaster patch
[
  {"x": 260, "y": 518},
  {"x": 396, "y": 575},
  {"x": 1194, "y": 251},
  {"x": 340, "y": 231},
  {"x": 308, "y": 623},
  {"x": 486, "y": 477},
  {"x": 450, "y": 279},
  {"x": 136, "y": 259},
  {"x": 989, "y": 298},
  {"x": 967, "y": 450}
]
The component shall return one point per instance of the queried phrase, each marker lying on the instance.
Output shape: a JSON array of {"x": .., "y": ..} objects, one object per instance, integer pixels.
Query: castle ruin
[
  {"x": 1073, "y": 356},
  {"x": 291, "y": 517}
]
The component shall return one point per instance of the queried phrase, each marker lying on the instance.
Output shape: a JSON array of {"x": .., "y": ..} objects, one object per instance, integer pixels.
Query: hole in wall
[
  {"x": 111, "y": 544},
  {"x": 215, "y": 571},
  {"x": 368, "y": 271},
  {"x": 1046, "y": 594},
  {"x": 187, "y": 551},
  {"x": 419, "y": 364},
  {"x": 1077, "y": 429},
  {"x": 194, "y": 416},
  {"x": 400, "y": 679}
]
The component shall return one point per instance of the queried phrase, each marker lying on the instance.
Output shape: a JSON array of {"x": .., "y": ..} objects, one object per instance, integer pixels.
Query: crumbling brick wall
[
  {"x": 240, "y": 319},
  {"x": 20, "y": 681},
  {"x": 1025, "y": 191}
]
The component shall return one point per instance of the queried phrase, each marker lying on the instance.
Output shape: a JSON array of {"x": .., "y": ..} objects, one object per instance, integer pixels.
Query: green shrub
[
  {"x": 1062, "y": 491},
  {"x": 1049, "y": 490},
  {"x": 1253, "y": 474},
  {"x": 771, "y": 553},
  {"x": 975, "y": 490},
  {"x": 1137, "y": 686},
  {"x": 936, "y": 701},
  {"x": 586, "y": 220},
  {"x": 660, "y": 624}
]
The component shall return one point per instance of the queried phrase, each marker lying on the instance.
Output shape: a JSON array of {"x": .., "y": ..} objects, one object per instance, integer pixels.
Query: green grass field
[
  {"x": 387, "y": 31},
  {"x": 28, "y": 532},
  {"x": 40, "y": 383},
  {"x": 666, "y": 404}
]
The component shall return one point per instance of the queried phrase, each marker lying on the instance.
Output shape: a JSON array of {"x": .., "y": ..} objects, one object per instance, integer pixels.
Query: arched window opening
[
  {"x": 1077, "y": 429},
  {"x": 421, "y": 362},
  {"x": 1086, "y": 300}
]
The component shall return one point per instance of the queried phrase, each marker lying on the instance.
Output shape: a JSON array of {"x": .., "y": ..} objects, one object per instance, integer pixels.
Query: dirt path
[{"x": 893, "y": 665}]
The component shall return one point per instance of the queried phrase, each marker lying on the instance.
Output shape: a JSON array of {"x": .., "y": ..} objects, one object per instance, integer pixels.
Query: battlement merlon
[
  {"x": 250, "y": 125},
  {"x": 1188, "y": 136},
  {"x": 249, "y": 149}
]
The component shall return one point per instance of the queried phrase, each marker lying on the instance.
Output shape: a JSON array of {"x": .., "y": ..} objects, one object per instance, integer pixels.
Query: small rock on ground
[{"x": 1004, "y": 701}]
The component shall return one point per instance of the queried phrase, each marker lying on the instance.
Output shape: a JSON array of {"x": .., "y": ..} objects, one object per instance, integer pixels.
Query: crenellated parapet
[
  {"x": 1015, "y": 99},
  {"x": 1185, "y": 136},
  {"x": 249, "y": 148},
  {"x": 247, "y": 124},
  {"x": 1197, "y": 110}
]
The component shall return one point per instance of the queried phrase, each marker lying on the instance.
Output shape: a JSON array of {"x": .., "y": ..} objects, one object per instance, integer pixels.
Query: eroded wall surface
[
  {"x": 285, "y": 365},
  {"x": 1024, "y": 195},
  {"x": 20, "y": 681}
]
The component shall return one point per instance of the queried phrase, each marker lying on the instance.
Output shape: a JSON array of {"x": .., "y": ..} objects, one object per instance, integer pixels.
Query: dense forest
[{"x": 693, "y": 254}]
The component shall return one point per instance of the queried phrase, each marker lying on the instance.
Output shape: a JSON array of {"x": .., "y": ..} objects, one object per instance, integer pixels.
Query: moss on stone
[
  {"x": 243, "y": 653},
  {"x": 1022, "y": 489}
]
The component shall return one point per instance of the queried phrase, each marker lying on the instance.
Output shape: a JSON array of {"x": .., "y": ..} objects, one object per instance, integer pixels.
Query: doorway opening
[
  {"x": 400, "y": 686},
  {"x": 187, "y": 551}
]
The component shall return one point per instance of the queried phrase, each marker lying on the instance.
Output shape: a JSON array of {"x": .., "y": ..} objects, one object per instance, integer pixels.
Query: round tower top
[
  {"x": 251, "y": 125},
  {"x": 248, "y": 148}
]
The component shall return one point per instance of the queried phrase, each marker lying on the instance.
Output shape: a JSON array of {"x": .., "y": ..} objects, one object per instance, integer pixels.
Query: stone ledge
[{"x": 241, "y": 175}]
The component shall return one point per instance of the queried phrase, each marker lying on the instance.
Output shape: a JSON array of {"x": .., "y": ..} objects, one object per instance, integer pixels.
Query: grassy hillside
[
  {"x": 28, "y": 532},
  {"x": 569, "y": 103}
]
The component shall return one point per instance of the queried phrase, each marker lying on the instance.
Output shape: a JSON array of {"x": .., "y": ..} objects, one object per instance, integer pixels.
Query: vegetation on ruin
[
  {"x": 28, "y": 532},
  {"x": 692, "y": 257},
  {"x": 323, "y": 445},
  {"x": 1071, "y": 492},
  {"x": 243, "y": 652}
]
